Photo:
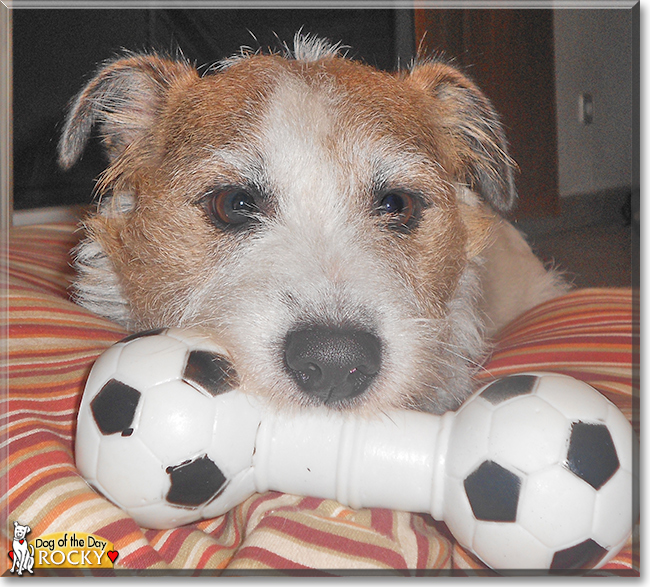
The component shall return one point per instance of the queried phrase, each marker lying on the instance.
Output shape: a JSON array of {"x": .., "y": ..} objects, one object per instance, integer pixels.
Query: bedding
[{"x": 51, "y": 343}]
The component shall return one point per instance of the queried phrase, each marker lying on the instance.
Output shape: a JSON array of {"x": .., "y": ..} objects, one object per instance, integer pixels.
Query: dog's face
[
  {"x": 313, "y": 212},
  {"x": 20, "y": 531}
]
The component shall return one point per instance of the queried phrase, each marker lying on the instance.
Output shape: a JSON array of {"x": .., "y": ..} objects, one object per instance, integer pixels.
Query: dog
[
  {"x": 23, "y": 559},
  {"x": 340, "y": 229}
]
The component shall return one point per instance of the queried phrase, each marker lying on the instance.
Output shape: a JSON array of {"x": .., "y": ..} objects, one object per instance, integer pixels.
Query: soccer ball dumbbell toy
[{"x": 534, "y": 471}]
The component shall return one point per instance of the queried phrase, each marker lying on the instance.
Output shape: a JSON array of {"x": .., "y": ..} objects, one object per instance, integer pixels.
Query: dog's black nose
[{"x": 330, "y": 364}]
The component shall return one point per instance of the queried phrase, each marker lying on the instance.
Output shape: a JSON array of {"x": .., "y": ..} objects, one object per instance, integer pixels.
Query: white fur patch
[
  {"x": 306, "y": 48},
  {"x": 97, "y": 286},
  {"x": 320, "y": 260}
]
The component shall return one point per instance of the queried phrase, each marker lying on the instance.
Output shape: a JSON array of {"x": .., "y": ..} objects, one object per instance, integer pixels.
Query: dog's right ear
[
  {"x": 124, "y": 99},
  {"x": 467, "y": 115}
]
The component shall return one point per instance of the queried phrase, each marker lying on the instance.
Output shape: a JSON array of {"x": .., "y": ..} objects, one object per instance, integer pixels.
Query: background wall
[{"x": 593, "y": 54}]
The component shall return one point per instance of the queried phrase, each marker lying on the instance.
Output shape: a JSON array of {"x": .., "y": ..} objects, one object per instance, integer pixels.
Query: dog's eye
[
  {"x": 230, "y": 206},
  {"x": 400, "y": 208}
]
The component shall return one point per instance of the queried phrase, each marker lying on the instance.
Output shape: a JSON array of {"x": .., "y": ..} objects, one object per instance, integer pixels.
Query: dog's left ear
[
  {"x": 467, "y": 116},
  {"x": 124, "y": 99}
]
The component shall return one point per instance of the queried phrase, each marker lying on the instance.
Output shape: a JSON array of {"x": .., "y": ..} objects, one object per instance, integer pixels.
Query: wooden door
[{"x": 509, "y": 54}]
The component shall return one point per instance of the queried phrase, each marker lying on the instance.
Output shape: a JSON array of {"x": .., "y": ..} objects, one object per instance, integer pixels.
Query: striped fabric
[{"x": 590, "y": 334}]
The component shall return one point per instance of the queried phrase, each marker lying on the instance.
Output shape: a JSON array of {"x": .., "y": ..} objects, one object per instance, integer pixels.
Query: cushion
[{"x": 51, "y": 342}]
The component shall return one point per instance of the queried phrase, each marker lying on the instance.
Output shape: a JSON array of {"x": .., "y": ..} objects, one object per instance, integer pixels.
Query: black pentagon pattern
[
  {"x": 585, "y": 555},
  {"x": 194, "y": 483},
  {"x": 592, "y": 454},
  {"x": 114, "y": 407},
  {"x": 509, "y": 387},
  {"x": 152, "y": 332},
  {"x": 210, "y": 372},
  {"x": 493, "y": 493}
]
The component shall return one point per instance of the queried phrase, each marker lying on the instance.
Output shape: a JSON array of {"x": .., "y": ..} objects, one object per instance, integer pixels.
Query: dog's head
[
  {"x": 20, "y": 531},
  {"x": 322, "y": 217}
]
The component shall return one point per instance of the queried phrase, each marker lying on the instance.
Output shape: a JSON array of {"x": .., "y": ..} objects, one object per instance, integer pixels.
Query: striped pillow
[{"x": 590, "y": 334}]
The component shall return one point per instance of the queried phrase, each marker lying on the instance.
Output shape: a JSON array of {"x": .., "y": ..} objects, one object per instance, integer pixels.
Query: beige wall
[{"x": 593, "y": 53}]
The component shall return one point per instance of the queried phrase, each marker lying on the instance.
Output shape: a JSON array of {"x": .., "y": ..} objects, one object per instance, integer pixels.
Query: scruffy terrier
[{"x": 337, "y": 227}]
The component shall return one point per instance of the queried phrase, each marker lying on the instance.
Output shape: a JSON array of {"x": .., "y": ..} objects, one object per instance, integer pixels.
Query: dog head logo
[{"x": 22, "y": 554}]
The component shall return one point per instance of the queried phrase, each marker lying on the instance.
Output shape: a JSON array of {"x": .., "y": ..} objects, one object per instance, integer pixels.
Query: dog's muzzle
[{"x": 332, "y": 365}]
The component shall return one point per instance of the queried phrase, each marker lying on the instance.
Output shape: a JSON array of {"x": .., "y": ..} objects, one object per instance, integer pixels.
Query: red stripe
[
  {"x": 382, "y": 521},
  {"x": 80, "y": 332},
  {"x": 335, "y": 543},
  {"x": 275, "y": 561},
  {"x": 207, "y": 554},
  {"x": 174, "y": 542}
]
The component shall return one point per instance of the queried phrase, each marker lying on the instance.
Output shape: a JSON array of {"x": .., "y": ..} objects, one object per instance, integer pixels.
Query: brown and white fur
[{"x": 374, "y": 207}]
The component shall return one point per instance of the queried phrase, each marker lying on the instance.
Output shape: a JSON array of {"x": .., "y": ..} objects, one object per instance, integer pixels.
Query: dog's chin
[
  {"x": 281, "y": 393},
  {"x": 288, "y": 398},
  {"x": 361, "y": 404}
]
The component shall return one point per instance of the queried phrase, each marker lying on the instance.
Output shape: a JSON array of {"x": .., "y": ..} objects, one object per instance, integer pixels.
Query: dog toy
[{"x": 534, "y": 471}]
